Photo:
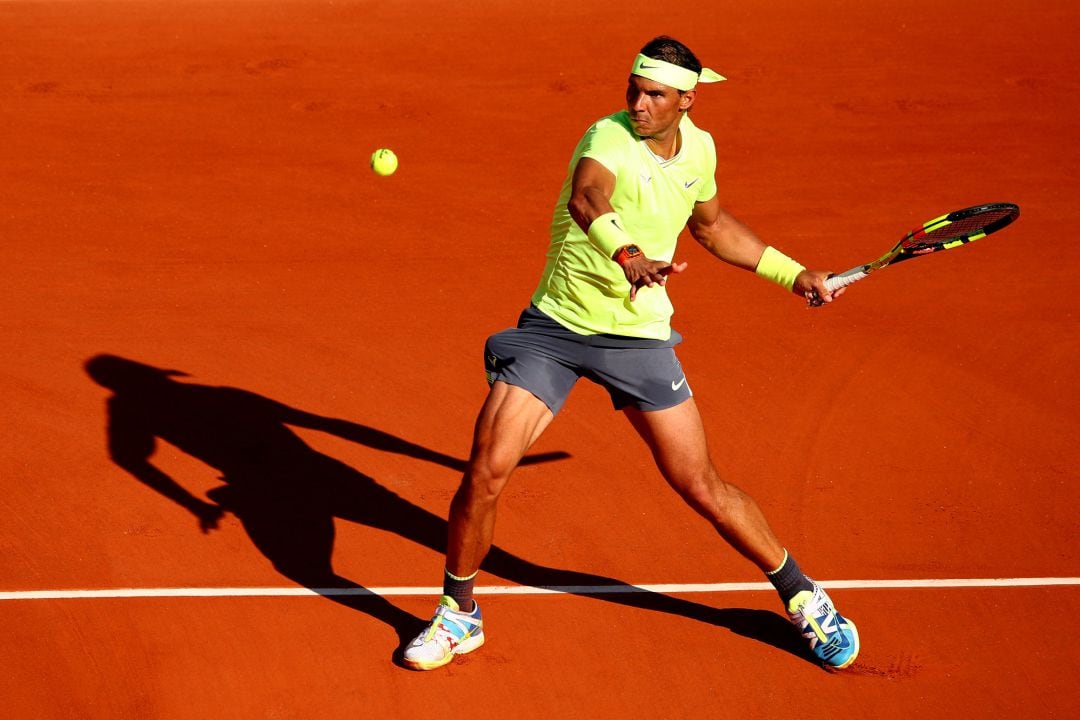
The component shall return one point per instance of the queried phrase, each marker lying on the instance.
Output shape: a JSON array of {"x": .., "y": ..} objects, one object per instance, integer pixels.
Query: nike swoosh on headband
[{"x": 672, "y": 75}]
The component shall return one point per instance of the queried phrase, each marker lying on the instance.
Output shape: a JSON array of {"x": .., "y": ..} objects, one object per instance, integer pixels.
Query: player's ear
[{"x": 686, "y": 100}]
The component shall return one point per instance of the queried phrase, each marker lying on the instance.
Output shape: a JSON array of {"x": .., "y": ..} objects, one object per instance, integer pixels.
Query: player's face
[{"x": 655, "y": 108}]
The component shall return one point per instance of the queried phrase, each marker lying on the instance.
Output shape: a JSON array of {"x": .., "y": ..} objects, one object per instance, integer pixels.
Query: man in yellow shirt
[{"x": 601, "y": 311}]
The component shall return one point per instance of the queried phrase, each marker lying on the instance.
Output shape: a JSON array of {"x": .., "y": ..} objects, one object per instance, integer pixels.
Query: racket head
[
  {"x": 957, "y": 228},
  {"x": 942, "y": 233}
]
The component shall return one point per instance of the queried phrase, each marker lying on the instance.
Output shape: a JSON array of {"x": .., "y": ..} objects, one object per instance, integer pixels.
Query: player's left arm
[{"x": 723, "y": 235}]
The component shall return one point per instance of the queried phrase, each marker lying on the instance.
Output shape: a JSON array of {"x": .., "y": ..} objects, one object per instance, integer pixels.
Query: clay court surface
[{"x": 186, "y": 188}]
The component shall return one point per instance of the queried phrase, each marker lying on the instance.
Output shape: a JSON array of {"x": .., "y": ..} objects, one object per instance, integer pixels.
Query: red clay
[{"x": 187, "y": 187}]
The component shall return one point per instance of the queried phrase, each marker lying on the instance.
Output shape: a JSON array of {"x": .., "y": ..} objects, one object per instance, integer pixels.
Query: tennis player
[{"x": 601, "y": 311}]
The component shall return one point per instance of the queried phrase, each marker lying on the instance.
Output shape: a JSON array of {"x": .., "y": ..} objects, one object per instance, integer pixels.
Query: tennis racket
[{"x": 943, "y": 233}]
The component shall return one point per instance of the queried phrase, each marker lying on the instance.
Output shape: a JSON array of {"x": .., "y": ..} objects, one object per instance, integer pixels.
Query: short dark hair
[{"x": 671, "y": 50}]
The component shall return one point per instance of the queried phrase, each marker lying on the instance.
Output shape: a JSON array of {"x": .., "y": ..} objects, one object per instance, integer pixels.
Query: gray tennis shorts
[{"x": 543, "y": 357}]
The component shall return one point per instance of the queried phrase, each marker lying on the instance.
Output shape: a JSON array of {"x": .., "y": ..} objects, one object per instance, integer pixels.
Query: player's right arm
[
  {"x": 590, "y": 198},
  {"x": 590, "y": 194}
]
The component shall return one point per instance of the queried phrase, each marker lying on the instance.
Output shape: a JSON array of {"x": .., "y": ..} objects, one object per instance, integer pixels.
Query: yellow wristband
[
  {"x": 607, "y": 235},
  {"x": 778, "y": 267}
]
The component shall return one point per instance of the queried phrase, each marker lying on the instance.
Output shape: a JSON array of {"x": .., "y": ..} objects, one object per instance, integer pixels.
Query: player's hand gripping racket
[{"x": 943, "y": 233}]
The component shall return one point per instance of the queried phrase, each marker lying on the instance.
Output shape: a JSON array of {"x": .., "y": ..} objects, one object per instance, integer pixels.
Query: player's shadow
[{"x": 287, "y": 495}]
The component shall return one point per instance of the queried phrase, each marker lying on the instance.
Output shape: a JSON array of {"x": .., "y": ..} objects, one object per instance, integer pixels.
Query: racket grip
[{"x": 838, "y": 281}]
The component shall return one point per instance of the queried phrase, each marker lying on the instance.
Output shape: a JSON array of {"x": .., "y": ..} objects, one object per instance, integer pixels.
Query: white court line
[{"x": 523, "y": 589}]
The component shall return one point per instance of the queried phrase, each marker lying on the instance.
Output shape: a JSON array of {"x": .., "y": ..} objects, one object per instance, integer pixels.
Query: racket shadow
[{"x": 287, "y": 495}]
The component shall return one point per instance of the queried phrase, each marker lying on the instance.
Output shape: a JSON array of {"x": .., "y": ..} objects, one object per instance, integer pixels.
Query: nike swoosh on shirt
[
  {"x": 687, "y": 185},
  {"x": 677, "y": 385}
]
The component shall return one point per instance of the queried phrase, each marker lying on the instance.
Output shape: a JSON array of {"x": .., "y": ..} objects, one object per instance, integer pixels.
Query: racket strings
[{"x": 982, "y": 223}]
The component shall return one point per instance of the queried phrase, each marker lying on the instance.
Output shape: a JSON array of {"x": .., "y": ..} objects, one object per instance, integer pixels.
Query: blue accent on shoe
[{"x": 833, "y": 639}]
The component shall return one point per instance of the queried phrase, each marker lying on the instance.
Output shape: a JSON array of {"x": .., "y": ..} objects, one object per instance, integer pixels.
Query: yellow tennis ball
[{"x": 384, "y": 162}]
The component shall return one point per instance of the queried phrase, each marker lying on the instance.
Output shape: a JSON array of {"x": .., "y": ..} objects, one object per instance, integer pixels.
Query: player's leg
[
  {"x": 531, "y": 371},
  {"x": 677, "y": 440},
  {"x": 509, "y": 423}
]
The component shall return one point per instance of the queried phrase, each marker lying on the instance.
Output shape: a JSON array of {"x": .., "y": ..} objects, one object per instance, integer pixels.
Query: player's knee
[
  {"x": 484, "y": 481},
  {"x": 727, "y": 503},
  {"x": 709, "y": 495}
]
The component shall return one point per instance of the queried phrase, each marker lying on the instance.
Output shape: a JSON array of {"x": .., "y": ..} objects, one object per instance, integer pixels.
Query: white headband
[{"x": 672, "y": 75}]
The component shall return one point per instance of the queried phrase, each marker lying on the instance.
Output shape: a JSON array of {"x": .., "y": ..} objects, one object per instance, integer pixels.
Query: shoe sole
[{"x": 463, "y": 649}]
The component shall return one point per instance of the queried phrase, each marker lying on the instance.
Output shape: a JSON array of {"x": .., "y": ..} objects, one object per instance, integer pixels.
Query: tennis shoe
[
  {"x": 833, "y": 638},
  {"x": 451, "y": 632}
]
